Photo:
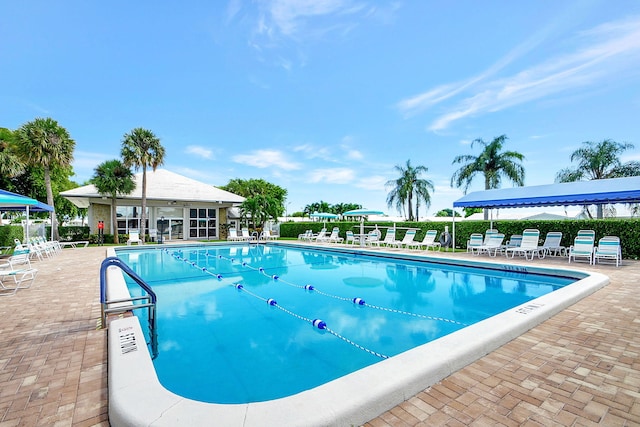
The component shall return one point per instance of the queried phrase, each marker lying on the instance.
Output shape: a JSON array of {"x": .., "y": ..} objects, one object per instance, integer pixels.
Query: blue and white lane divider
[
  {"x": 356, "y": 300},
  {"x": 316, "y": 323}
]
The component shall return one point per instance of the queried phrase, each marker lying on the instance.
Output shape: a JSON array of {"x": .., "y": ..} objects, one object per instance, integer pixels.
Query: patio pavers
[{"x": 581, "y": 367}]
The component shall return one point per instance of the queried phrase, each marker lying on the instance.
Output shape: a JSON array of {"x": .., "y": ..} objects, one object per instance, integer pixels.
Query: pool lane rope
[
  {"x": 311, "y": 288},
  {"x": 316, "y": 323},
  {"x": 356, "y": 301}
]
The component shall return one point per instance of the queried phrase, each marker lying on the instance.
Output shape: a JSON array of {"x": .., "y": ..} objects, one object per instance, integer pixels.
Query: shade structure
[
  {"x": 324, "y": 215},
  {"x": 362, "y": 213},
  {"x": 15, "y": 202},
  {"x": 595, "y": 192}
]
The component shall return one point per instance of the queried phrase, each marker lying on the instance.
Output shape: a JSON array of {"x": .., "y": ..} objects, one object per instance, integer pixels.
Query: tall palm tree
[
  {"x": 112, "y": 178},
  {"x": 10, "y": 164},
  {"x": 492, "y": 163},
  {"x": 599, "y": 161},
  {"x": 142, "y": 149},
  {"x": 44, "y": 144},
  {"x": 407, "y": 186}
]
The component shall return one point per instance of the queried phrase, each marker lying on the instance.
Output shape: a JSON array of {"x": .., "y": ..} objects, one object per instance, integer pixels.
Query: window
[{"x": 203, "y": 223}]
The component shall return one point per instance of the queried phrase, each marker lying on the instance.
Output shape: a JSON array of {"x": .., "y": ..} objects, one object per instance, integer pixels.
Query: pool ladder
[{"x": 129, "y": 304}]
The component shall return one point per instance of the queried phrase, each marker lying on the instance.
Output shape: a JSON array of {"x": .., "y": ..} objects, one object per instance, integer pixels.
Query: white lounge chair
[
  {"x": 17, "y": 268},
  {"x": 232, "y": 235},
  {"x": 608, "y": 249},
  {"x": 552, "y": 244},
  {"x": 582, "y": 248},
  {"x": 246, "y": 236},
  {"x": 334, "y": 237},
  {"x": 389, "y": 237},
  {"x": 372, "y": 239},
  {"x": 408, "y": 238},
  {"x": 266, "y": 235},
  {"x": 429, "y": 241},
  {"x": 529, "y": 245},
  {"x": 321, "y": 236},
  {"x": 475, "y": 241},
  {"x": 493, "y": 245},
  {"x": 134, "y": 237}
]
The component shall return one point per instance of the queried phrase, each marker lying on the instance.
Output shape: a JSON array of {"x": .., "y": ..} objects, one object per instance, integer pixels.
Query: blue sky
[{"x": 325, "y": 97}]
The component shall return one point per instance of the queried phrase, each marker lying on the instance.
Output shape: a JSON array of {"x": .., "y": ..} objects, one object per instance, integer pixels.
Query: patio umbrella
[
  {"x": 362, "y": 213},
  {"x": 324, "y": 216}
]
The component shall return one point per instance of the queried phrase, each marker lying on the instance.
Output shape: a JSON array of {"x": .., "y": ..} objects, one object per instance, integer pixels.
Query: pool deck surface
[{"x": 579, "y": 368}]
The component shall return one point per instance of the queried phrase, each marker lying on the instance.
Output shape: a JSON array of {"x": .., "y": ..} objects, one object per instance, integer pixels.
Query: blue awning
[
  {"x": 15, "y": 202},
  {"x": 600, "y": 191}
]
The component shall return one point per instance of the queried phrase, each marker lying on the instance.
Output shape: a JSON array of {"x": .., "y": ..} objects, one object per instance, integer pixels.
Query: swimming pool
[{"x": 385, "y": 380}]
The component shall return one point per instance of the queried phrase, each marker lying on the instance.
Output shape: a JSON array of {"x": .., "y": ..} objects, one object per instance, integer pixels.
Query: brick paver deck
[{"x": 579, "y": 368}]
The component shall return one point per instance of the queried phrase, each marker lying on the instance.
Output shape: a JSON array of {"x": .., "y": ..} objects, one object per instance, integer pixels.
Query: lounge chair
[
  {"x": 321, "y": 236},
  {"x": 529, "y": 245},
  {"x": 17, "y": 268},
  {"x": 266, "y": 235},
  {"x": 372, "y": 239},
  {"x": 306, "y": 235},
  {"x": 406, "y": 241},
  {"x": 475, "y": 241},
  {"x": 608, "y": 249},
  {"x": 429, "y": 241},
  {"x": 552, "y": 244},
  {"x": 233, "y": 235},
  {"x": 389, "y": 237},
  {"x": 493, "y": 245},
  {"x": 134, "y": 237},
  {"x": 334, "y": 237},
  {"x": 246, "y": 236},
  {"x": 582, "y": 248},
  {"x": 513, "y": 242}
]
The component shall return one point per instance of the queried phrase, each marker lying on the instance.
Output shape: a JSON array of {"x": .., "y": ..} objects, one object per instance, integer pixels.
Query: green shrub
[{"x": 627, "y": 229}]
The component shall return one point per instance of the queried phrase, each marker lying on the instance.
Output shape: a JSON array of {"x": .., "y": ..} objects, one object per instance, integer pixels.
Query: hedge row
[{"x": 627, "y": 229}]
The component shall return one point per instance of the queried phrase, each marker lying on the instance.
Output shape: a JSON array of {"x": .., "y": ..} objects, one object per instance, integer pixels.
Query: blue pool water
[{"x": 222, "y": 343}]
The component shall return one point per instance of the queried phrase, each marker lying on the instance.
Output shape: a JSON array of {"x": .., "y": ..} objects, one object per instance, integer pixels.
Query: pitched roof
[{"x": 164, "y": 185}]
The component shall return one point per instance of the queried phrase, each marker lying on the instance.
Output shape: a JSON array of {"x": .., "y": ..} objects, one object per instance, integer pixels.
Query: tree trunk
[
  {"x": 143, "y": 214},
  {"x": 600, "y": 212},
  {"x": 114, "y": 216},
  {"x": 54, "y": 221}
]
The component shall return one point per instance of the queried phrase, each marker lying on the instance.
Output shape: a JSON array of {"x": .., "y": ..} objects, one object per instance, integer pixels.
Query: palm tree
[
  {"x": 599, "y": 161},
  {"x": 112, "y": 178},
  {"x": 492, "y": 163},
  {"x": 142, "y": 149},
  {"x": 44, "y": 144},
  {"x": 408, "y": 186},
  {"x": 10, "y": 164}
]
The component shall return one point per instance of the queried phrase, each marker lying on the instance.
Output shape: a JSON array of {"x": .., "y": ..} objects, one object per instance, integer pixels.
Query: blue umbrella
[{"x": 16, "y": 202}]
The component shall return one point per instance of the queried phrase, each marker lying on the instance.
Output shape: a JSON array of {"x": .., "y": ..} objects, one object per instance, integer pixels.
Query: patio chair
[
  {"x": 233, "y": 235},
  {"x": 608, "y": 249},
  {"x": 372, "y": 239},
  {"x": 493, "y": 246},
  {"x": 475, "y": 241},
  {"x": 246, "y": 236},
  {"x": 406, "y": 240},
  {"x": 582, "y": 248},
  {"x": 389, "y": 237},
  {"x": 17, "y": 268},
  {"x": 322, "y": 235},
  {"x": 529, "y": 245},
  {"x": 134, "y": 237},
  {"x": 513, "y": 242},
  {"x": 335, "y": 236},
  {"x": 351, "y": 238},
  {"x": 429, "y": 241},
  {"x": 552, "y": 244}
]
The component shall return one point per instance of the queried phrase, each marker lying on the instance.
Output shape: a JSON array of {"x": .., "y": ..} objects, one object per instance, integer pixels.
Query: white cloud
[
  {"x": 199, "y": 151},
  {"x": 374, "y": 182},
  {"x": 332, "y": 176},
  {"x": 598, "y": 55},
  {"x": 266, "y": 159}
]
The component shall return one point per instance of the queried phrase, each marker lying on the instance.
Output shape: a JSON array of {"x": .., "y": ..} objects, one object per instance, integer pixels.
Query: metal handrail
[{"x": 151, "y": 297}]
